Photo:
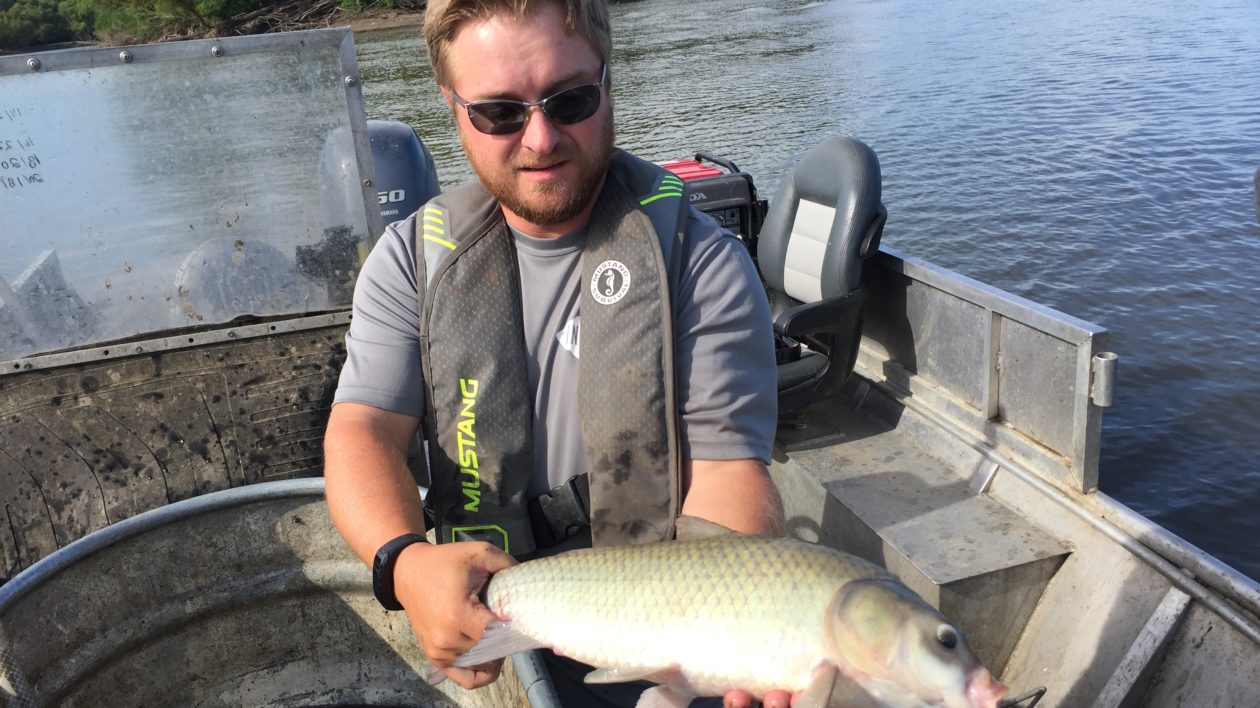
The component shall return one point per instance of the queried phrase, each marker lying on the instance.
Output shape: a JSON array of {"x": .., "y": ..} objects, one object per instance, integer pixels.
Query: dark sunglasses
[{"x": 504, "y": 116}]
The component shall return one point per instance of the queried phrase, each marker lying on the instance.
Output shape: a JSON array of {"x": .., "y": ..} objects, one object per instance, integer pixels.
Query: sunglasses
[{"x": 504, "y": 116}]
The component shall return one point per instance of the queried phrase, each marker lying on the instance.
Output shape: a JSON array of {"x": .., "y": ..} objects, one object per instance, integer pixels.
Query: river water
[{"x": 1096, "y": 157}]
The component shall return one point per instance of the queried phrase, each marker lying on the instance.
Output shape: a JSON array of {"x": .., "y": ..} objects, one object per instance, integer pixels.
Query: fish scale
[{"x": 726, "y": 611}]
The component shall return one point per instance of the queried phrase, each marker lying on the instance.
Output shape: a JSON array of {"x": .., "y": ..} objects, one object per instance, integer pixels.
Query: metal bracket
[{"x": 1102, "y": 386}]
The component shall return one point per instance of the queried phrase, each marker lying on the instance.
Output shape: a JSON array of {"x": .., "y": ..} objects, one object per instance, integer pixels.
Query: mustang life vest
[{"x": 480, "y": 408}]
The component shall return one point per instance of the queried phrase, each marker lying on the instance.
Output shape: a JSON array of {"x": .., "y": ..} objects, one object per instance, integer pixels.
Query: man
[{"x": 480, "y": 313}]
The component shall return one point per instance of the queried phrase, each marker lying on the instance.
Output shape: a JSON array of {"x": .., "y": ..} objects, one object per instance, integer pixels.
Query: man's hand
[
  {"x": 373, "y": 498},
  {"x": 773, "y": 699},
  {"x": 439, "y": 588}
]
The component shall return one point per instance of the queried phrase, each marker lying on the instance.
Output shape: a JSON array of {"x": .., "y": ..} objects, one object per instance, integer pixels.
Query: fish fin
[
  {"x": 661, "y": 697},
  {"x": 830, "y": 686},
  {"x": 694, "y": 528},
  {"x": 498, "y": 641},
  {"x": 434, "y": 675},
  {"x": 818, "y": 693},
  {"x": 618, "y": 674}
]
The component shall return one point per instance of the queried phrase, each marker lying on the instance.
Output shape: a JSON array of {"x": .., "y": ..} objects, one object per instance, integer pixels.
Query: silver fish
[{"x": 702, "y": 617}]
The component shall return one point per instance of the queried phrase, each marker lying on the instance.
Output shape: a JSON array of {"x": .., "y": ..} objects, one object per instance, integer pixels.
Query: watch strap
[{"x": 383, "y": 569}]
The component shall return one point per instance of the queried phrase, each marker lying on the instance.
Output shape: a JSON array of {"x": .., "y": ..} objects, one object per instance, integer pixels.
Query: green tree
[{"x": 30, "y": 23}]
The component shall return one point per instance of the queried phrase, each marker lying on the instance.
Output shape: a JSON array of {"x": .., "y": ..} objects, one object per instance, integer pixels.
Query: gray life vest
[{"x": 479, "y": 405}]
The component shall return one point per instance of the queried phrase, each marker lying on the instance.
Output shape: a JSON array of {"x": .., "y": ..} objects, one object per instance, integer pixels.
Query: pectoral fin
[
  {"x": 830, "y": 687},
  {"x": 498, "y": 641},
  {"x": 661, "y": 697},
  {"x": 621, "y": 674}
]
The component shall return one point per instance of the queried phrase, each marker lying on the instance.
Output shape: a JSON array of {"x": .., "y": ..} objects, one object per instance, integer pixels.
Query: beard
[{"x": 551, "y": 203}]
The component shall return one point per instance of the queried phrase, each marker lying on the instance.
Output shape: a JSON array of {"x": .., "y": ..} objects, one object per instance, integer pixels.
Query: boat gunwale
[
  {"x": 157, "y": 342},
  {"x": 1043, "y": 318}
]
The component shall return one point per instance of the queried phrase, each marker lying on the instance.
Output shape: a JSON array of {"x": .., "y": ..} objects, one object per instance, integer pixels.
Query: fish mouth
[{"x": 984, "y": 691}]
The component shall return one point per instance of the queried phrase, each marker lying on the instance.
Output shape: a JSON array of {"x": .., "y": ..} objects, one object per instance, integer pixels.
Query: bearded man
[{"x": 588, "y": 355}]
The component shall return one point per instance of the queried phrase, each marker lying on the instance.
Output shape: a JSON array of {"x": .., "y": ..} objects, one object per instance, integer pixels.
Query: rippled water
[{"x": 1097, "y": 157}]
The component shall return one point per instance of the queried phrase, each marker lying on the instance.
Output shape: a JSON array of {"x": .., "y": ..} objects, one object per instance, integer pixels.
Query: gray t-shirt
[{"x": 724, "y": 350}]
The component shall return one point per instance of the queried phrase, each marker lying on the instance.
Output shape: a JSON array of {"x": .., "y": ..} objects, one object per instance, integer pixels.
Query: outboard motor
[
  {"x": 405, "y": 178},
  {"x": 402, "y": 168}
]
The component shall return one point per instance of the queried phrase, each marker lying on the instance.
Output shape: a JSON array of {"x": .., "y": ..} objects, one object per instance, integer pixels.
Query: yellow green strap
[
  {"x": 671, "y": 186},
  {"x": 433, "y": 230}
]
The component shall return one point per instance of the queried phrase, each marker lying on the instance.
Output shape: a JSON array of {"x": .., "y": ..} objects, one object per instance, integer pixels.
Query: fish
[{"x": 703, "y": 616}]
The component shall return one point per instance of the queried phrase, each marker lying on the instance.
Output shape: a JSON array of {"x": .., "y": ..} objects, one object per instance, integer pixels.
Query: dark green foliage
[
  {"x": 28, "y": 23},
  {"x": 146, "y": 20},
  {"x": 33, "y": 23}
]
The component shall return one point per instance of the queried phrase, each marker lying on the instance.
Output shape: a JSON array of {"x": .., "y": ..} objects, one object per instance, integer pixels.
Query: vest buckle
[{"x": 561, "y": 512}]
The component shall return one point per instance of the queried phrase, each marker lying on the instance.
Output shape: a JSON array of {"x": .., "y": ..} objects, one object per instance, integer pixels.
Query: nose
[{"x": 540, "y": 134}]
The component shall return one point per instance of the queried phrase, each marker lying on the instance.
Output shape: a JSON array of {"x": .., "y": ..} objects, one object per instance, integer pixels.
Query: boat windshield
[{"x": 160, "y": 187}]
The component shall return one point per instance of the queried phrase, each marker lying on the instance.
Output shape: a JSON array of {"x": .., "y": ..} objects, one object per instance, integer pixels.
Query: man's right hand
[
  {"x": 372, "y": 498},
  {"x": 439, "y": 587}
]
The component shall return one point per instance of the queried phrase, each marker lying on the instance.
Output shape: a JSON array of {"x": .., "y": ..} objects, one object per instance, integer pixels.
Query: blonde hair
[{"x": 443, "y": 18}]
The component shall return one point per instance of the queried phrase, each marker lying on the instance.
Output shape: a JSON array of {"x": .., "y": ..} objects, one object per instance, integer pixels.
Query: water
[{"x": 1096, "y": 157}]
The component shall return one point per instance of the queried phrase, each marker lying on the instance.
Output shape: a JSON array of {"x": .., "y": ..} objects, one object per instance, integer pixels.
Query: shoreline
[
  {"x": 370, "y": 20},
  {"x": 374, "y": 20}
]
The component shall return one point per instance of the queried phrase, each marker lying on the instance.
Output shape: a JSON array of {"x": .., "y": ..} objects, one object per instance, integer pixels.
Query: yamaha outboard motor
[
  {"x": 405, "y": 178},
  {"x": 402, "y": 169}
]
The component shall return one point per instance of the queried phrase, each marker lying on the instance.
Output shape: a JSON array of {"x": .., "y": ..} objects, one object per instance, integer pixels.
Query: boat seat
[{"x": 825, "y": 220}]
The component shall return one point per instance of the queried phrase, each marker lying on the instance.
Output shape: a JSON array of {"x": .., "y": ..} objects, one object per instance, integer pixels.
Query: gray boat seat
[{"x": 825, "y": 220}]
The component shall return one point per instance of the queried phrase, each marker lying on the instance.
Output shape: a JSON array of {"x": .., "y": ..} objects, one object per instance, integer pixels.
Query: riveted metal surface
[{"x": 89, "y": 444}]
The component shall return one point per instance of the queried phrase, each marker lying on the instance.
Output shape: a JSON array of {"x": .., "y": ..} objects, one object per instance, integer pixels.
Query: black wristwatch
[{"x": 383, "y": 569}]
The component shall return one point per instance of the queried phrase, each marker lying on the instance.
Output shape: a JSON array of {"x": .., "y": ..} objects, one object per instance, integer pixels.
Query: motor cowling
[{"x": 402, "y": 169}]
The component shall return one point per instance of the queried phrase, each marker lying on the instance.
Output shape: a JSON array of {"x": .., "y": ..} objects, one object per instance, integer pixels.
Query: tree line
[{"x": 26, "y": 24}]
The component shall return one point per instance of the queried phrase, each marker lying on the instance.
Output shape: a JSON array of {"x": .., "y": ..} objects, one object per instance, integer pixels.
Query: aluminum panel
[
  {"x": 932, "y": 334},
  {"x": 1001, "y": 371},
  {"x": 91, "y": 443},
  {"x": 1208, "y": 663},
  {"x": 1037, "y": 385}
]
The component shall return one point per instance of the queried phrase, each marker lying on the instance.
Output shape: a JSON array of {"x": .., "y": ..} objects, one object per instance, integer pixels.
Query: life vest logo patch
[{"x": 610, "y": 282}]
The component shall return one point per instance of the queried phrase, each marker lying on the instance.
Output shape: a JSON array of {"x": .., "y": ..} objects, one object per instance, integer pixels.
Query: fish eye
[{"x": 947, "y": 636}]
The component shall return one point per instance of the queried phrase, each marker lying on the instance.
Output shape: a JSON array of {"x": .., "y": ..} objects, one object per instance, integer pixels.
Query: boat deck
[
  {"x": 1045, "y": 598},
  {"x": 860, "y": 482}
]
